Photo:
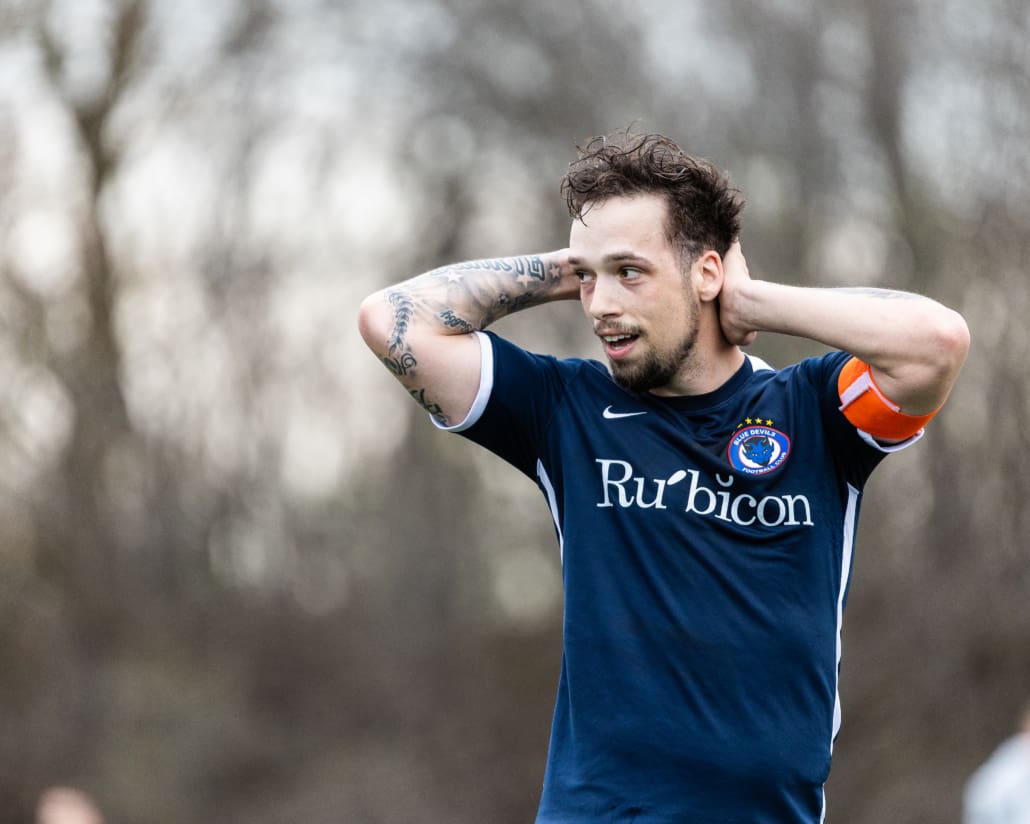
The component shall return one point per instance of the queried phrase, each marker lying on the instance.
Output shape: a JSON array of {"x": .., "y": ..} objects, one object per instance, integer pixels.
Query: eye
[
  {"x": 584, "y": 277},
  {"x": 630, "y": 273}
]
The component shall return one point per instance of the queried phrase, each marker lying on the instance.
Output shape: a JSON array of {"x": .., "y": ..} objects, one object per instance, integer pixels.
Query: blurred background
[{"x": 241, "y": 577}]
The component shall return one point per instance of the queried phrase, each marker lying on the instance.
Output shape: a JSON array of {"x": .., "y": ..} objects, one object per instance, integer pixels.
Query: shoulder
[
  {"x": 818, "y": 371},
  {"x": 814, "y": 377},
  {"x": 519, "y": 386},
  {"x": 507, "y": 355}
]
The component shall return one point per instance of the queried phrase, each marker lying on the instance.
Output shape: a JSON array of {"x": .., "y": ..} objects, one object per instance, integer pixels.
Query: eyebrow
[{"x": 615, "y": 257}]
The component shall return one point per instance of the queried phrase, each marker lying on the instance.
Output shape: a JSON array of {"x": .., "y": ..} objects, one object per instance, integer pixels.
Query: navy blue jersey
[{"x": 706, "y": 552}]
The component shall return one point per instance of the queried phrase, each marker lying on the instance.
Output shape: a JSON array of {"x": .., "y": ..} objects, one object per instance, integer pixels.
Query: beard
[{"x": 659, "y": 367}]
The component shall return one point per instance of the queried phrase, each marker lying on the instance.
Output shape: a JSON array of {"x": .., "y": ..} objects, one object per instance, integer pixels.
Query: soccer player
[{"x": 705, "y": 504}]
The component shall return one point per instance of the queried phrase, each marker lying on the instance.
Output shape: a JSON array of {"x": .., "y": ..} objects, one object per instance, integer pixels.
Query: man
[
  {"x": 704, "y": 503},
  {"x": 999, "y": 791}
]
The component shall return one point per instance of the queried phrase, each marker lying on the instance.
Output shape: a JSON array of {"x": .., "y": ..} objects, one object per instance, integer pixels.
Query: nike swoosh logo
[{"x": 611, "y": 416}]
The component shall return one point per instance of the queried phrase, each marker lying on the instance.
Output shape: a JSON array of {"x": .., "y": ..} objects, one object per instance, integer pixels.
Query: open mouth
[{"x": 617, "y": 346}]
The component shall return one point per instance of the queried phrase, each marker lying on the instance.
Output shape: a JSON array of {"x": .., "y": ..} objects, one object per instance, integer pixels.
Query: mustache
[{"x": 615, "y": 329}]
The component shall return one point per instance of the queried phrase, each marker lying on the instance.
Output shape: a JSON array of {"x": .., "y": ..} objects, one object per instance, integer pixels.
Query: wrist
[
  {"x": 562, "y": 278},
  {"x": 745, "y": 303}
]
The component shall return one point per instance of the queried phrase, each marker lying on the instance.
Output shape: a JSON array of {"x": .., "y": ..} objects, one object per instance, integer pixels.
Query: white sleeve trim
[
  {"x": 486, "y": 385},
  {"x": 889, "y": 447},
  {"x": 758, "y": 364}
]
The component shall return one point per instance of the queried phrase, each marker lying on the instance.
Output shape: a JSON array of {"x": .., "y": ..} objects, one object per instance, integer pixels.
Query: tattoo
[
  {"x": 482, "y": 301},
  {"x": 400, "y": 360},
  {"x": 529, "y": 271},
  {"x": 507, "y": 305},
  {"x": 403, "y": 309},
  {"x": 400, "y": 366},
  {"x": 526, "y": 268},
  {"x": 432, "y": 408},
  {"x": 452, "y": 321},
  {"x": 460, "y": 298}
]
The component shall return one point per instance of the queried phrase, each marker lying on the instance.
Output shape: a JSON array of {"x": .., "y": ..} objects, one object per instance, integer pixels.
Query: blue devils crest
[
  {"x": 759, "y": 450},
  {"x": 756, "y": 450}
]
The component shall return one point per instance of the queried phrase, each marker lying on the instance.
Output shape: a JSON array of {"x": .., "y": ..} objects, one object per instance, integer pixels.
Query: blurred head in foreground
[{"x": 65, "y": 805}]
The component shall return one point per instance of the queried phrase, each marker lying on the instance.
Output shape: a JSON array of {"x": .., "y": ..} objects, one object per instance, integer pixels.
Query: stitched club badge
[{"x": 756, "y": 448}]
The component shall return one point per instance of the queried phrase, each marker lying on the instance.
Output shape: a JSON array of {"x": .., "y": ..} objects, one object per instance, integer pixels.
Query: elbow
[
  {"x": 951, "y": 343},
  {"x": 930, "y": 364},
  {"x": 374, "y": 321},
  {"x": 947, "y": 344}
]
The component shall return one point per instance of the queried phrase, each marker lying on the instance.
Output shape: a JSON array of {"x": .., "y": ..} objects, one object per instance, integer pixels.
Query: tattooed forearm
[
  {"x": 531, "y": 273},
  {"x": 464, "y": 297},
  {"x": 526, "y": 269},
  {"x": 476, "y": 293},
  {"x": 406, "y": 325},
  {"x": 507, "y": 305}
]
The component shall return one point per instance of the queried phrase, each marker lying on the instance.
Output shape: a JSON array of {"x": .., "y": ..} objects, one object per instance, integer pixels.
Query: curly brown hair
[{"x": 703, "y": 208}]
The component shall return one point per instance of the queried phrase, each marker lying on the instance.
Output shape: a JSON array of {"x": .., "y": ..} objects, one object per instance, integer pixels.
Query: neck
[{"x": 710, "y": 365}]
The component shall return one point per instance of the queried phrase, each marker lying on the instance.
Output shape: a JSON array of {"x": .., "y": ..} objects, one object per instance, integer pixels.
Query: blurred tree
[
  {"x": 243, "y": 579},
  {"x": 75, "y": 546}
]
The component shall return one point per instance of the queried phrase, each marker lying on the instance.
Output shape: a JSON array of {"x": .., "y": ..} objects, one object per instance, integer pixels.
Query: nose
[{"x": 602, "y": 299}]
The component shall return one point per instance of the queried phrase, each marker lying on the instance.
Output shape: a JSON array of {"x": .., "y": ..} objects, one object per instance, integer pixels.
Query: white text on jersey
[{"x": 620, "y": 487}]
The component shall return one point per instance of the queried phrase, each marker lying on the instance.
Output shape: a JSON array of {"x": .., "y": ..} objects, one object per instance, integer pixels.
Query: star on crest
[{"x": 755, "y": 421}]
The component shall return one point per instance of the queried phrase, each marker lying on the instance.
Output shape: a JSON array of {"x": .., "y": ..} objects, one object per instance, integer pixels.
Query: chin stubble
[{"x": 658, "y": 368}]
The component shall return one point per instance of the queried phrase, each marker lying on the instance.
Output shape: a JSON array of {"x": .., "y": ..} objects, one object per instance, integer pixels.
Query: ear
[{"x": 708, "y": 275}]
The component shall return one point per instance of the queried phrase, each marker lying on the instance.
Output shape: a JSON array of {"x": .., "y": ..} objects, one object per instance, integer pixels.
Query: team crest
[{"x": 757, "y": 448}]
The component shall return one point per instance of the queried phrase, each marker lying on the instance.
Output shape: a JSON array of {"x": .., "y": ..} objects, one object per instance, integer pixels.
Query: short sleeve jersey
[{"x": 706, "y": 547}]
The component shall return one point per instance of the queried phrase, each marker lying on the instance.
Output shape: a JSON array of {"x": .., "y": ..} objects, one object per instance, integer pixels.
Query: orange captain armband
[{"x": 868, "y": 409}]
